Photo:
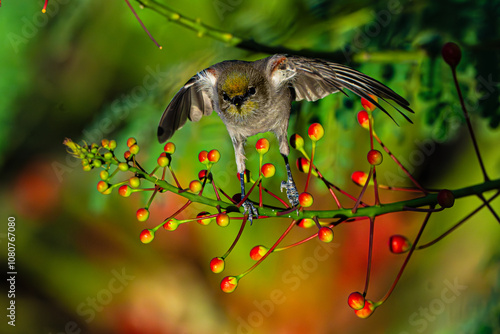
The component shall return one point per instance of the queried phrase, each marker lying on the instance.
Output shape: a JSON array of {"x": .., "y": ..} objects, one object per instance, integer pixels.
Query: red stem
[
  {"x": 142, "y": 25},
  {"x": 413, "y": 247},
  {"x": 469, "y": 125},
  {"x": 370, "y": 252}
]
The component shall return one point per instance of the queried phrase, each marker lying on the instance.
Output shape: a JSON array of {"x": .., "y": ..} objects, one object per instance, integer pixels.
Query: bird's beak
[{"x": 238, "y": 100}]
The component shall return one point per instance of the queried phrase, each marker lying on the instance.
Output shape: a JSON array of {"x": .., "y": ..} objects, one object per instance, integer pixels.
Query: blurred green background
[{"x": 86, "y": 70}]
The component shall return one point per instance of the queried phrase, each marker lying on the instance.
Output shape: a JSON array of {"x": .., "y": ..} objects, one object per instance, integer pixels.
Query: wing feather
[
  {"x": 315, "y": 78},
  {"x": 192, "y": 101}
]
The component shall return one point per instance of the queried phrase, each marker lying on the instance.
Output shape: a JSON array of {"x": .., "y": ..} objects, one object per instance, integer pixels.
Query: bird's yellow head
[
  {"x": 236, "y": 83},
  {"x": 237, "y": 93}
]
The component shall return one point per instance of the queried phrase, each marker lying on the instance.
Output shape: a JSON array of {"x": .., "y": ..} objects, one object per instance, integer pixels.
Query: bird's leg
[
  {"x": 247, "y": 205},
  {"x": 239, "y": 153},
  {"x": 291, "y": 190}
]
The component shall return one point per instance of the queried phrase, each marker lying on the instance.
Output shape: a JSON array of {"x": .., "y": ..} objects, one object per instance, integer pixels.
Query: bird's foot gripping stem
[
  {"x": 251, "y": 210},
  {"x": 291, "y": 191}
]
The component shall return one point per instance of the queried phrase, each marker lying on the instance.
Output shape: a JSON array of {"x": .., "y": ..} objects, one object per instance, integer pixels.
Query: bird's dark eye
[
  {"x": 251, "y": 90},
  {"x": 225, "y": 97}
]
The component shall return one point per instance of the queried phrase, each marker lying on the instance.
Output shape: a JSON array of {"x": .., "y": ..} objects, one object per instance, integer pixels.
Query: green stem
[
  {"x": 246, "y": 44},
  {"x": 370, "y": 211}
]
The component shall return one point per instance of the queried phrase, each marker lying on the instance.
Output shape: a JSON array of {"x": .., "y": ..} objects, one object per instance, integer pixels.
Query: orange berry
[
  {"x": 217, "y": 265},
  {"x": 262, "y": 146},
  {"x": 171, "y": 225},
  {"x": 169, "y": 148},
  {"x": 195, "y": 186},
  {"x": 367, "y": 105},
  {"x": 296, "y": 141},
  {"x": 268, "y": 170},
  {"x": 356, "y": 301},
  {"x": 359, "y": 178},
  {"x": 366, "y": 311},
  {"x": 316, "y": 131},
  {"x": 131, "y": 141},
  {"x": 305, "y": 199},
  {"x": 306, "y": 223},
  {"x": 257, "y": 252},
  {"x": 147, "y": 236},
  {"x": 102, "y": 186},
  {"x": 124, "y": 191},
  {"x": 364, "y": 119},
  {"x": 229, "y": 284},
  {"x": 142, "y": 214},
  {"x": 222, "y": 219},
  {"x": 325, "y": 234},
  {"x": 213, "y": 156},
  {"x": 203, "y": 221},
  {"x": 203, "y": 157}
]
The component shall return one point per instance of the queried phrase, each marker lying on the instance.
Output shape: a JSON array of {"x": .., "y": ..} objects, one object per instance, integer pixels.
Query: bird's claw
[
  {"x": 251, "y": 210},
  {"x": 291, "y": 192}
]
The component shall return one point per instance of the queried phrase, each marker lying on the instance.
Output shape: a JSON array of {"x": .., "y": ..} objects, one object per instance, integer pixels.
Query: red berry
[
  {"x": 257, "y": 252},
  {"x": 325, "y": 234},
  {"x": 359, "y": 178},
  {"x": 268, "y": 170},
  {"x": 296, "y": 141},
  {"x": 147, "y": 236},
  {"x": 229, "y": 284},
  {"x": 202, "y": 175},
  {"x": 303, "y": 165},
  {"x": 203, "y": 157},
  {"x": 399, "y": 244},
  {"x": 195, "y": 186},
  {"x": 217, "y": 265},
  {"x": 306, "y": 223},
  {"x": 366, "y": 311},
  {"x": 124, "y": 191},
  {"x": 213, "y": 156},
  {"x": 363, "y": 119},
  {"x": 131, "y": 141},
  {"x": 367, "y": 105},
  {"x": 451, "y": 54},
  {"x": 204, "y": 221},
  {"x": 446, "y": 198},
  {"x": 102, "y": 186},
  {"x": 262, "y": 146},
  {"x": 356, "y": 301},
  {"x": 171, "y": 225},
  {"x": 305, "y": 199},
  {"x": 374, "y": 157},
  {"x": 169, "y": 148},
  {"x": 134, "y": 149},
  {"x": 222, "y": 219},
  {"x": 127, "y": 155},
  {"x": 316, "y": 131},
  {"x": 142, "y": 214}
]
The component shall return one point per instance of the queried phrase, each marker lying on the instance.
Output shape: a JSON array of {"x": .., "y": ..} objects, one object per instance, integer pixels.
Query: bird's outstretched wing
[
  {"x": 192, "y": 101},
  {"x": 313, "y": 79}
]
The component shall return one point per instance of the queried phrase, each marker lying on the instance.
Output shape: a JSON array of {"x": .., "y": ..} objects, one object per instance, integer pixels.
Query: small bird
[{"x": 256, "y": 97}]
